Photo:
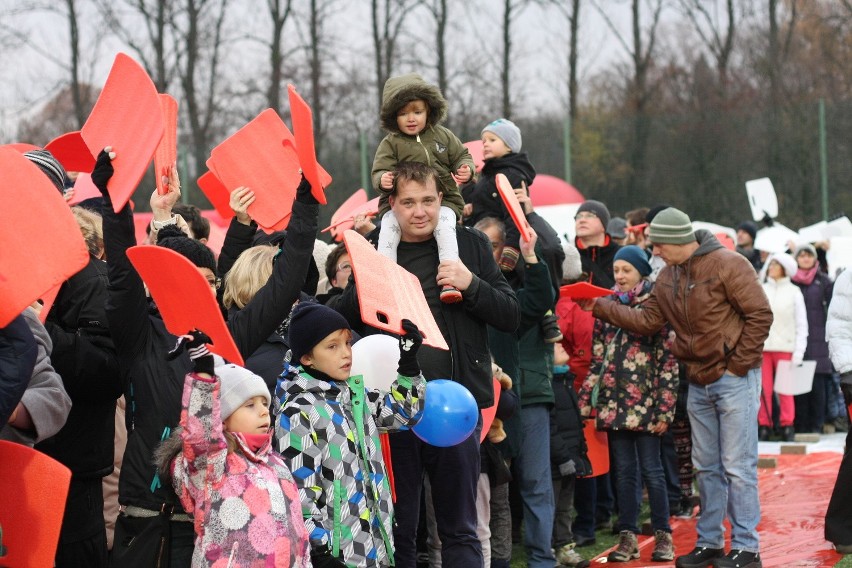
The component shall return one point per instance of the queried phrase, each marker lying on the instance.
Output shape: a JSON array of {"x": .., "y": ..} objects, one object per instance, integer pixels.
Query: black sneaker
[
  {"x": 550, "y": 329},
  {"x": 700, "y": 557},
  {"x": 740, "y": 559}
]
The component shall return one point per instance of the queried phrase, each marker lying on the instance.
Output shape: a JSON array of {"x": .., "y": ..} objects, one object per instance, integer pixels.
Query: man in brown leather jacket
[{"x": 712, "y": 299}]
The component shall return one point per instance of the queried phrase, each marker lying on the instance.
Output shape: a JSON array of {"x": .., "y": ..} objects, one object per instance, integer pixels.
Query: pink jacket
[{"x": 245, "y": 504}]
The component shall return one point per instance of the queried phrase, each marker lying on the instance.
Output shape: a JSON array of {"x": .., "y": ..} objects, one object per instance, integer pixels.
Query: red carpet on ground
[{"x": 793, "y": 500}]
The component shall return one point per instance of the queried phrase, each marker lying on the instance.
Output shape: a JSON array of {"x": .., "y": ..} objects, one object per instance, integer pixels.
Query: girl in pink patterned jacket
[{"x": 240, "y": 493}]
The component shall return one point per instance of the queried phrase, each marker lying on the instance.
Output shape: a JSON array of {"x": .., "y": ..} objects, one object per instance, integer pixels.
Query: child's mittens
[
  {"x": 509, "y": 258},
  {"x": 195, "y": 342},
  {"x": 409, "y": 343},
  {"x": 567, "y": 468},
  {"x": 496, "y": 433}
]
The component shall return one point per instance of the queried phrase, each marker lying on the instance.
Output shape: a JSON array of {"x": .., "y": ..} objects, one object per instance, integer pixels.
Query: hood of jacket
[{"x": 401, "y": 90}]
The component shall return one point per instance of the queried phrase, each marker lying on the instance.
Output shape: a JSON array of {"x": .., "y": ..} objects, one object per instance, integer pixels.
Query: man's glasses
[{"x": 585, "y": 215}]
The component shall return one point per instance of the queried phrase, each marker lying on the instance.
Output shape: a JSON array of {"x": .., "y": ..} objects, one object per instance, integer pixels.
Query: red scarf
[
  {"x": 805, "y": 276},
  {"x": 256, "y": 441}
]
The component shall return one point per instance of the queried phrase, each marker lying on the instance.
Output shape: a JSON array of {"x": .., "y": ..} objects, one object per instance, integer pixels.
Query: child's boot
[{"x": 450, "y": 295}]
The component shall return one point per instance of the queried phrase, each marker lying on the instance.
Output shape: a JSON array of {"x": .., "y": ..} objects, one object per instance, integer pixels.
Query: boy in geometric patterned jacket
[
  {"x": 241, "y": 495},
  {"x": 327, "y": 428}
]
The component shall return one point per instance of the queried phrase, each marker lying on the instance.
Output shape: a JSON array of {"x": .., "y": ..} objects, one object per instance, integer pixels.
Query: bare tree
[
  {"x": 199, "y": 28},
  {"x": 641, "y": 52},
  {"x": 279, "y": 11},
  {"x": 388, "y": 17},
  {"x": 439, "y": 11},
  {"x": 719, "y": 42},
  {"x": 779, "y": 47},
  {"x": 571, "y": 11},
  {"x": 153, "y": 48}
]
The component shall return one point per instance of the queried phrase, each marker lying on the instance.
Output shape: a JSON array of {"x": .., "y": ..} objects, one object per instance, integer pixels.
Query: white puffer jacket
[
  {"x": 789, "y": 331},
  {"x": 838, "y": 328}
]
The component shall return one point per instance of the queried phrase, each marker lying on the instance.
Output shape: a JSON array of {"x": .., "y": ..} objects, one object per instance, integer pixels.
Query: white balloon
[{"x": 376, "y": 358}]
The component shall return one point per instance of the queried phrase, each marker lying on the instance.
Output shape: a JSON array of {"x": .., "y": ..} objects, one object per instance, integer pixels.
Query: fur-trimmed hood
[
  {"x": 403, "y": 89},
  {"x": 167, "y": 451}
]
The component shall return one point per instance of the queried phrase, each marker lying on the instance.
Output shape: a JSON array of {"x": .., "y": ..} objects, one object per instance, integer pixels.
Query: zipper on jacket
[
  {"x": 425, "y": 149},
  {"x": 335, "y": 537}
]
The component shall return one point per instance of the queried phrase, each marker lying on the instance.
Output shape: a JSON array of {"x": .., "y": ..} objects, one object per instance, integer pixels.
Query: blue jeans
[
  {"x": 724, "y": 451},
  {"x": 533, "y": 467},
  {"x": 625, "y": 446}
]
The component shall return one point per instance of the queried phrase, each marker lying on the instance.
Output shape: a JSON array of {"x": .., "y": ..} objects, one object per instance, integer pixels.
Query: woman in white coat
[{"x": 788, "y": 338}]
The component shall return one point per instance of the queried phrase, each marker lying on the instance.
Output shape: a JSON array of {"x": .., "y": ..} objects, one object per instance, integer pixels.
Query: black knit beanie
[
  {"x": 749, "y": 227},
  {"x": 310, "y": 323},
  {"x": 171, "y": 237}
]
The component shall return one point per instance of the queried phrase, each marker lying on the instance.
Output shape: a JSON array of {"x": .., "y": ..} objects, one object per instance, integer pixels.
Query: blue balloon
[{"x": 449, "y": 415}]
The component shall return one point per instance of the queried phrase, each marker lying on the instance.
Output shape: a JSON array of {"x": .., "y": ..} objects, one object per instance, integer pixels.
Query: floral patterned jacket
[
  {"x": 638, "y": 375},
  {"x": 328, "y": 431},
  {"x": 245, "y": 504}
]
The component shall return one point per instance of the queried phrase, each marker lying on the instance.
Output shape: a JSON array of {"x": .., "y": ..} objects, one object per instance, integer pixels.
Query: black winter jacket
[
  {"x": 486, "y": 199},
  {"x": 489, "y": 300},
  {"x": 597, "y": 262},
  {"x": 566, "y": 428},
  {"x": 84, "y": 356},
  {"x": 18, "y": 352},
  {"x": 154, "y": 386}
]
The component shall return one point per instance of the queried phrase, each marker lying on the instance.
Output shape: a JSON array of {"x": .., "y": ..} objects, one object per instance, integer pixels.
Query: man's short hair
[
  {"x": 413, "y": 171},
  {"x": 332, "y": 260},
  {"x": 199, "y": 226},
  {"x": 487, "y": 222},
  {"x": 637, "y": 216}
]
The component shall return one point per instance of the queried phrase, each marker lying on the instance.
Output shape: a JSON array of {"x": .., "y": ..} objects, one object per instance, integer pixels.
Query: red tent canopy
[{"x": 550, "y": 190}]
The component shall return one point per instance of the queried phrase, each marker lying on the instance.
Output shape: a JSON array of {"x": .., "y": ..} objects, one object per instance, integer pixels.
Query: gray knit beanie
[
  {"x": 598, "y": 209},
  {"x": 506, "y": 131},
  {"x": 671, "y": 227},
  {"x": 572, "y": 266}
]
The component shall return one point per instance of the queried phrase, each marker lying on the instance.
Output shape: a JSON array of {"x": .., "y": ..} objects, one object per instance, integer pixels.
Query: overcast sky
[{"x": 30, "y": 75}]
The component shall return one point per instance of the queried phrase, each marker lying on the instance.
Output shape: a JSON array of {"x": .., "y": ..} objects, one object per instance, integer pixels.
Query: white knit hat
[
  {"x": 572, "y": 266},
  {"x": 238, "y": 386},
  {"x": 786, "y": 261}
]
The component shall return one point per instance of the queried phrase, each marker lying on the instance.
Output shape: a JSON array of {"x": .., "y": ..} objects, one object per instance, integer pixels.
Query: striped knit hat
[
  {"x": 50, "y": 166},
  {"x": 671, "y": 227}
]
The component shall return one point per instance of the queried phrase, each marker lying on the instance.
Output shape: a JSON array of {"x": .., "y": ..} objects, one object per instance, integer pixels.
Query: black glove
[
  {"x": 303, "y": 193},
  {"x": 102, "y": 173},
  {"x": 195, "y": 342},
  {"x": 324, "y": 559},
  {"x": 409, "y": 344}
]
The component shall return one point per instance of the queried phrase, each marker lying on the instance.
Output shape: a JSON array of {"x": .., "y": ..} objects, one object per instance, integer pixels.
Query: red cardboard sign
[
  {"x": 35, "y": 487},
  {"x": 21, "y": 147},
  {"x": 84, "y": 188},
  {"x": 344, "y": 212},
  {"x": 513, "y": 205},
  {"x": 165, "y": 156},
  {"x": 388, "y": 293},
  {"x": 33, "y": 261},
  {"x": 303, "y": 128},
  {"x": 337, "y": 229},
  {"x": 597, "y": 445},
  {"x": 217, "y": 193},
  {"x": 183, "y": 297},
  {"x": 127, "y": 116},
  {"x": 255, "y": 157},
  {"x": 474, "y": 147},
  {"x": 489, "y": 413},
  {"x": 583, "y": 290},
  {"x": 71, "y": 151}
]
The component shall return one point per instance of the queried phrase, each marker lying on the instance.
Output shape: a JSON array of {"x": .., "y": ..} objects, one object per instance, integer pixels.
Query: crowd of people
[{"x": 283, "y": 462}]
